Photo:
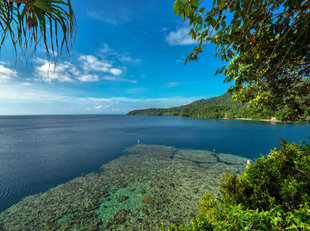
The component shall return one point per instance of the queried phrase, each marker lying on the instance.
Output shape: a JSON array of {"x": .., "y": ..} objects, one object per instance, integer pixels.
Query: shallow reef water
[{"x": 138, "y": 191}]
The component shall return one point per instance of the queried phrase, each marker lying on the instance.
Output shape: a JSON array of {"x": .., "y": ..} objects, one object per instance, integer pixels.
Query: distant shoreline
[{"x": 272, "y": 119}]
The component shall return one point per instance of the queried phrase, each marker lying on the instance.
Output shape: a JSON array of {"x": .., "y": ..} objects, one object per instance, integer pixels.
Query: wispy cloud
[
  {"x": 6, "y": 73},
  {"x": 110, "y": 78},
  {"x": 83, "y": 68},
  {"x": 129, "y": 59},
  {"x": 118, "y": 79},
  {"x": 181, "y": 60},
  {"x": 173, "y": 84},
  {"x": 98, "y": 107},
  {"x": 92, "y": 63},
  {"x": 47, "y": 101},
  {"x": 88, "y": 78},
  {"x": 48, "y": 72},
  {"x": 180, "y": 37},
  {"x": 101, "y": 16},
  {"x": 88, "y": 68},
  {"x": 107, "y": 49},
  {"x": 122, "y": 57},
  {"x": 117, "y": 16}
]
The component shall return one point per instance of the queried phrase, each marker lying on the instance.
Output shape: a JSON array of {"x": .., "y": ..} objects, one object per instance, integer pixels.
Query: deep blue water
[{"x": 39, "y": 152}]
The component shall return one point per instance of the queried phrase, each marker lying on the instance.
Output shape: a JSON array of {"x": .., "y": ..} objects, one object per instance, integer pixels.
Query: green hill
[{"x": 217, "y": 107}]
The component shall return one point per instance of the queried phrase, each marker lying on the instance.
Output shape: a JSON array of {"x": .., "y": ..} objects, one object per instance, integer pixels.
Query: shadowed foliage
[
  {"x": 272, "y": 194},
  {"x": 265, "y": 45}
]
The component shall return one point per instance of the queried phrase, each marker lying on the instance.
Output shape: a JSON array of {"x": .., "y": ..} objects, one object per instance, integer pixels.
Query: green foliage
[
  {"x": 272, "y": 194},
  {"x": 280, "y": 179},
  {"x": 220, "y": 107},
  {"x": 266, "y": 44},
  {"x": 25, "y": 22},
  {"x": 213, "y": 108}
]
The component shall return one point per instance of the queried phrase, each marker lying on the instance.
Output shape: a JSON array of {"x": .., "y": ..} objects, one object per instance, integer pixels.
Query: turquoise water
[
  {"x": 138, "y": 191},
  {"x": 40, "y": 152}
]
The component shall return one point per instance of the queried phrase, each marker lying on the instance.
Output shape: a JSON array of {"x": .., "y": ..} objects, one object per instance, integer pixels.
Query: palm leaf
[{"x": 28, "y": 22}]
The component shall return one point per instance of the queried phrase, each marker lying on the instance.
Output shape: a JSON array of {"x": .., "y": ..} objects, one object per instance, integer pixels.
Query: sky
[{"x": 127, "y": 55}]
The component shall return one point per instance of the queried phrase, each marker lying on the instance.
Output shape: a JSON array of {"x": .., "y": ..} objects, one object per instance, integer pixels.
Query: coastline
[{"x": 272, "y": 119}]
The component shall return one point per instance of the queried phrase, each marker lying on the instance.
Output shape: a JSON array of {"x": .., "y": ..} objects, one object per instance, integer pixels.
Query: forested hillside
[
  {"x": 216, "y": 107},
  {"x": 213, "y": 108}
]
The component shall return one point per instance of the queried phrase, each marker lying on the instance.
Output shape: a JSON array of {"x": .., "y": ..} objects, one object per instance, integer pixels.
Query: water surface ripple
[{"x": 40, "y": 152}]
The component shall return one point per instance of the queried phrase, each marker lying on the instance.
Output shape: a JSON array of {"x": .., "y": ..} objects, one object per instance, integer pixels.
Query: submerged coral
[{"x": 152, "y": 184}]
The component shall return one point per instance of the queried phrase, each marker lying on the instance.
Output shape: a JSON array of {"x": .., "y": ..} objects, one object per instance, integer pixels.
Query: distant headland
[{"x": 220, "y": 107}]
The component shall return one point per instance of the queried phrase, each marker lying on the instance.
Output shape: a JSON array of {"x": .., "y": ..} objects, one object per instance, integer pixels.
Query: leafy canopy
[
  {"x": 26, "y": 22},
  {"x": 266, "y": 45}
]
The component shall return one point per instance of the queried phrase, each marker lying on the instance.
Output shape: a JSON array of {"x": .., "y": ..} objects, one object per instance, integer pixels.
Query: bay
[{"x": 40, "y": 152}]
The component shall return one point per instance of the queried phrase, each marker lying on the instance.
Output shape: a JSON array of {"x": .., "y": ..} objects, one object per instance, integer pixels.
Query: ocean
[{"x": 41, "y": 152}]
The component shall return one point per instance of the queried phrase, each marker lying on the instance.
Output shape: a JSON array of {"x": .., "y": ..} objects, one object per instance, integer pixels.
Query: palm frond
[{"x": 27, "y": 22}]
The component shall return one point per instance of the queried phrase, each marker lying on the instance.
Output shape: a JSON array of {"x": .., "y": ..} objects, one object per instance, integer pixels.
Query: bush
[{"x": 272, "y": 194}]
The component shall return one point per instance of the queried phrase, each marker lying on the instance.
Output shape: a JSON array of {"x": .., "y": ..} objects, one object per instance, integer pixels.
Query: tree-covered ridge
[{"x": 213, "y": 108}]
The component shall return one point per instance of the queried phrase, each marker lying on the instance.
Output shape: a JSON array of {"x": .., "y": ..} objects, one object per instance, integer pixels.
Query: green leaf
[
  {"x": 178, "y": 7},
  {"x": 195, "y": 3}
]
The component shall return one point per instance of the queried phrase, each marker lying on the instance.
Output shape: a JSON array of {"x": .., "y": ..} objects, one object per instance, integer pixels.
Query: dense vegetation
[
  {"x": 272, "y": 194},
  {"x": 217, "y": 107},
  {"x": 265, "y": 47}
]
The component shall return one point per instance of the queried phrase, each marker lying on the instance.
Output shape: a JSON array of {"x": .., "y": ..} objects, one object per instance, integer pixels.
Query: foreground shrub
[{"x": 272, "y": 194}]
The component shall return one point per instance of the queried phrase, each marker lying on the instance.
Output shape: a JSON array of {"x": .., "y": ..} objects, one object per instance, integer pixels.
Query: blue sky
[{"x": 128, "y": 55}]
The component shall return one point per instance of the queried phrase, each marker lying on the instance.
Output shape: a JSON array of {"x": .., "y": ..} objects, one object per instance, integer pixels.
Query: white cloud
[
  {"x": 49, "y": 72},
  {"x": 74, "y": 70},
  {"x": 115, "y": 71},
  {"x": 126, "y": 59},
  {"x": 129, "y": 59},
  {"x": 118, "y": 79},
  {"x": 89, "y": 68},
  {"x": 101, "y": 16},
  {"x": 110, "y": 78},
  {"x": 106, "y": 49},
  {"x": 115, "y": 17},
  {"x": 98, "y": 107},
  {"x": 26, "y": 84},
  {"x": 173, "y": 84},
  {"x": 20, "y": 99},
  {"x": 180, "y": 37},
  {"x": 7, "y": 73},
  {"x": 23, "y": 93},
  {"x": 92, "y": 63},
  {"x": 130, "y": 81},
  {"x": 88, "y": 78}
]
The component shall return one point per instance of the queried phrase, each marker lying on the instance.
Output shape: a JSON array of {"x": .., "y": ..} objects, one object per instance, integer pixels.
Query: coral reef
[
  {"x": 198, "y": 156},
  {"x": 150, "y": 185}
]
